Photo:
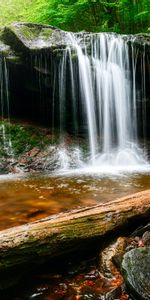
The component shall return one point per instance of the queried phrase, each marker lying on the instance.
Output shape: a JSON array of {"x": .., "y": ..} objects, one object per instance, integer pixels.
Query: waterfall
[
  {"x": 5, "y": 109},
  {"x": 88, "y": 90},
  {"x": 98, "y": 71}
]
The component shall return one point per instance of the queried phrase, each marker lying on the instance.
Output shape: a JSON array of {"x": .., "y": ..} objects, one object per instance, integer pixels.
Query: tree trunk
[{"x": 70, "y": 231}]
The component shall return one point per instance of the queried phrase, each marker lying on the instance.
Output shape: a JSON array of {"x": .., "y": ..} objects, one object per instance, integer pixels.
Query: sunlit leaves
[{"x": 127, "y": 16}]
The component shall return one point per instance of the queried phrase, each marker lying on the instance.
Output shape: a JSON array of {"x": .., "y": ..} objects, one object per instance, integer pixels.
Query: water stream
[{"x": 5, "y": 110}]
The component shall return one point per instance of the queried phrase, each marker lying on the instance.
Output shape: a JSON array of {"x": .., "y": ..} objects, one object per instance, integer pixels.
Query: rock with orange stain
[
  {"x": 33, "y": 152},
  {"x": 124, "y": 297},
  {"x": 111, "y": 254},
  {"x": 140, "y": 243},
  {"x": 115, "y": 293}
]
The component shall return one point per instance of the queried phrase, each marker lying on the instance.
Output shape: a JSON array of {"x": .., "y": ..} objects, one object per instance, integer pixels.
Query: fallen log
[{"x": 63, "y": 233}]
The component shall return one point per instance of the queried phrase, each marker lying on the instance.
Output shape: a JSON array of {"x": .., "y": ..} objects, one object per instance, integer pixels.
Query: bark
[{"x": 67, "y": 232}]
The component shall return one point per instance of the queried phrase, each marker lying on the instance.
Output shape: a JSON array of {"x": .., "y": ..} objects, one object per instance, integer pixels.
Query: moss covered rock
[
  {"x": 136, "y": 271},
  {"x": 33, "y": 37},
  {"x": 38, "y": 37}
]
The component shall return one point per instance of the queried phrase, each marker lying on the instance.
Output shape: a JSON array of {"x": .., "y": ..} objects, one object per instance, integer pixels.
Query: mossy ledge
[{"x": 27, "y": 37}]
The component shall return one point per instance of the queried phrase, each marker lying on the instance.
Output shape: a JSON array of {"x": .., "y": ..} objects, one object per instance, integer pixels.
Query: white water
[
  {"x": 107, "y": 89},
  {"x": 96, "y": 80},
  {"x": 5, "y": 111}
]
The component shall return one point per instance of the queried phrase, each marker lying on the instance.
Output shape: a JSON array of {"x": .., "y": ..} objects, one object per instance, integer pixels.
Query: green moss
[
  {"x": 23, "y": 138},
  {"x": 31, "y": 32},
  {"x": 46, "y": 33},
  {"x": 28, "y": 33}
]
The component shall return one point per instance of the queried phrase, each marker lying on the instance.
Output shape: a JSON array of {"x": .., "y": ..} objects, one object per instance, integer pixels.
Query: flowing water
[
  {"x": 28, "y": 199},
  {"x": 94, "y": 94},
  {"x": 5, "y": 110},
  {"x": 105, "y": 82}
]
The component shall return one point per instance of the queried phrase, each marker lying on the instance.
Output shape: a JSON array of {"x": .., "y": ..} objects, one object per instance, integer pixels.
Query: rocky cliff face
[
  {"x": 32, "y": 53},
  {"x": 29, "y": 50}
]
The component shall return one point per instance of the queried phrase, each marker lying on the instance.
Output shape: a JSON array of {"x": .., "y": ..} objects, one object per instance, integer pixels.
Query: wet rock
[
  {"x": 33, "y": 37},
  {"x": 146, "y": 238},
  {"x": 140, "y": 230},
  {"x": 114, "y": 293},
  {"x": 38, "y": 37},
  {"x": 142, "y": 235},
  {"x": 4, "y": 49},
  {"x": 93, "y": 274},
  {"x": 33, "y": 152},
  {"x": 136, "y": 272},
  {"x": 140, "y": 40},
  {"x": 112, "y": 254}
]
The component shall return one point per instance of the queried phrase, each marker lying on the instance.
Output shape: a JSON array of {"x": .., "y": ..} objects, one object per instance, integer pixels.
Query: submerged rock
[{"x": 136, "y": 272}]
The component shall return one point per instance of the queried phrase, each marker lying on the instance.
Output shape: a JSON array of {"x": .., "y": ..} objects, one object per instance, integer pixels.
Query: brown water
[{"x": 28, "y": 199}]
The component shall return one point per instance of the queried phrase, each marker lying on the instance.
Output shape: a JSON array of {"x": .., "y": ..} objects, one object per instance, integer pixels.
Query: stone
[
  {"x": 33, "y": 37},
  {"x": 140, "y": 40},
  {"x": 114, "y": 294},
  {"x": 112, "y": 256},
  {"x": 136, "y": 272},
  {"x": 141, "y": 230},
  {"x": 146, "y": 238},
  {"x": 4, "y": 49}
]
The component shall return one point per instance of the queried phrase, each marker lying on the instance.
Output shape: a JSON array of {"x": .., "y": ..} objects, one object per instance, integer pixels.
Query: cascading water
[
  {"x": 101, "y": 76},
  {"x": 5, "y": 111}
]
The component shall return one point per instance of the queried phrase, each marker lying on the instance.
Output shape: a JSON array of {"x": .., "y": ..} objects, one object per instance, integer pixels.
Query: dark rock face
[
  {"x": 140, "y": 41},
  {"x": 136, "y": 270}
]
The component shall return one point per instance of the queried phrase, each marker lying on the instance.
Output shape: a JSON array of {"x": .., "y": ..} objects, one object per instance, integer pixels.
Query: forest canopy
[{"x": 122, "y": 16}]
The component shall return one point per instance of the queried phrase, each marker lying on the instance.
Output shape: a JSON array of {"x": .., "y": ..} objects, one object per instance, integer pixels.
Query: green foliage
[
  {"x": 23, "y": 138},
  {"x": 13, "y": 10},
  {"x": 125, "y": 16}
]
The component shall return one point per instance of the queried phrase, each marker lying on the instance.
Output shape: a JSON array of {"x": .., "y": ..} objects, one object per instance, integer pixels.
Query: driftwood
[{"x": 63, "y": 233}]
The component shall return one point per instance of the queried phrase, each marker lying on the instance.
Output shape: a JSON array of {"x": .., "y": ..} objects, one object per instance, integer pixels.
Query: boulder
[
  {"x": 136, "y": 272},
  {"x": 33, "y": 37}
]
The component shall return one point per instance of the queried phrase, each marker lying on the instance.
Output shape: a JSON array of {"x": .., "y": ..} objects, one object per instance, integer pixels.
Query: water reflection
[{"x": 28, "y": 199}]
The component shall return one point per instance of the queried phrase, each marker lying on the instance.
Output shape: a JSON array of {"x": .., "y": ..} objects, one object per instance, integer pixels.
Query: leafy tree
[
  {"x": 125, "y": 16},
  {"x": 13, "y": 10}
]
